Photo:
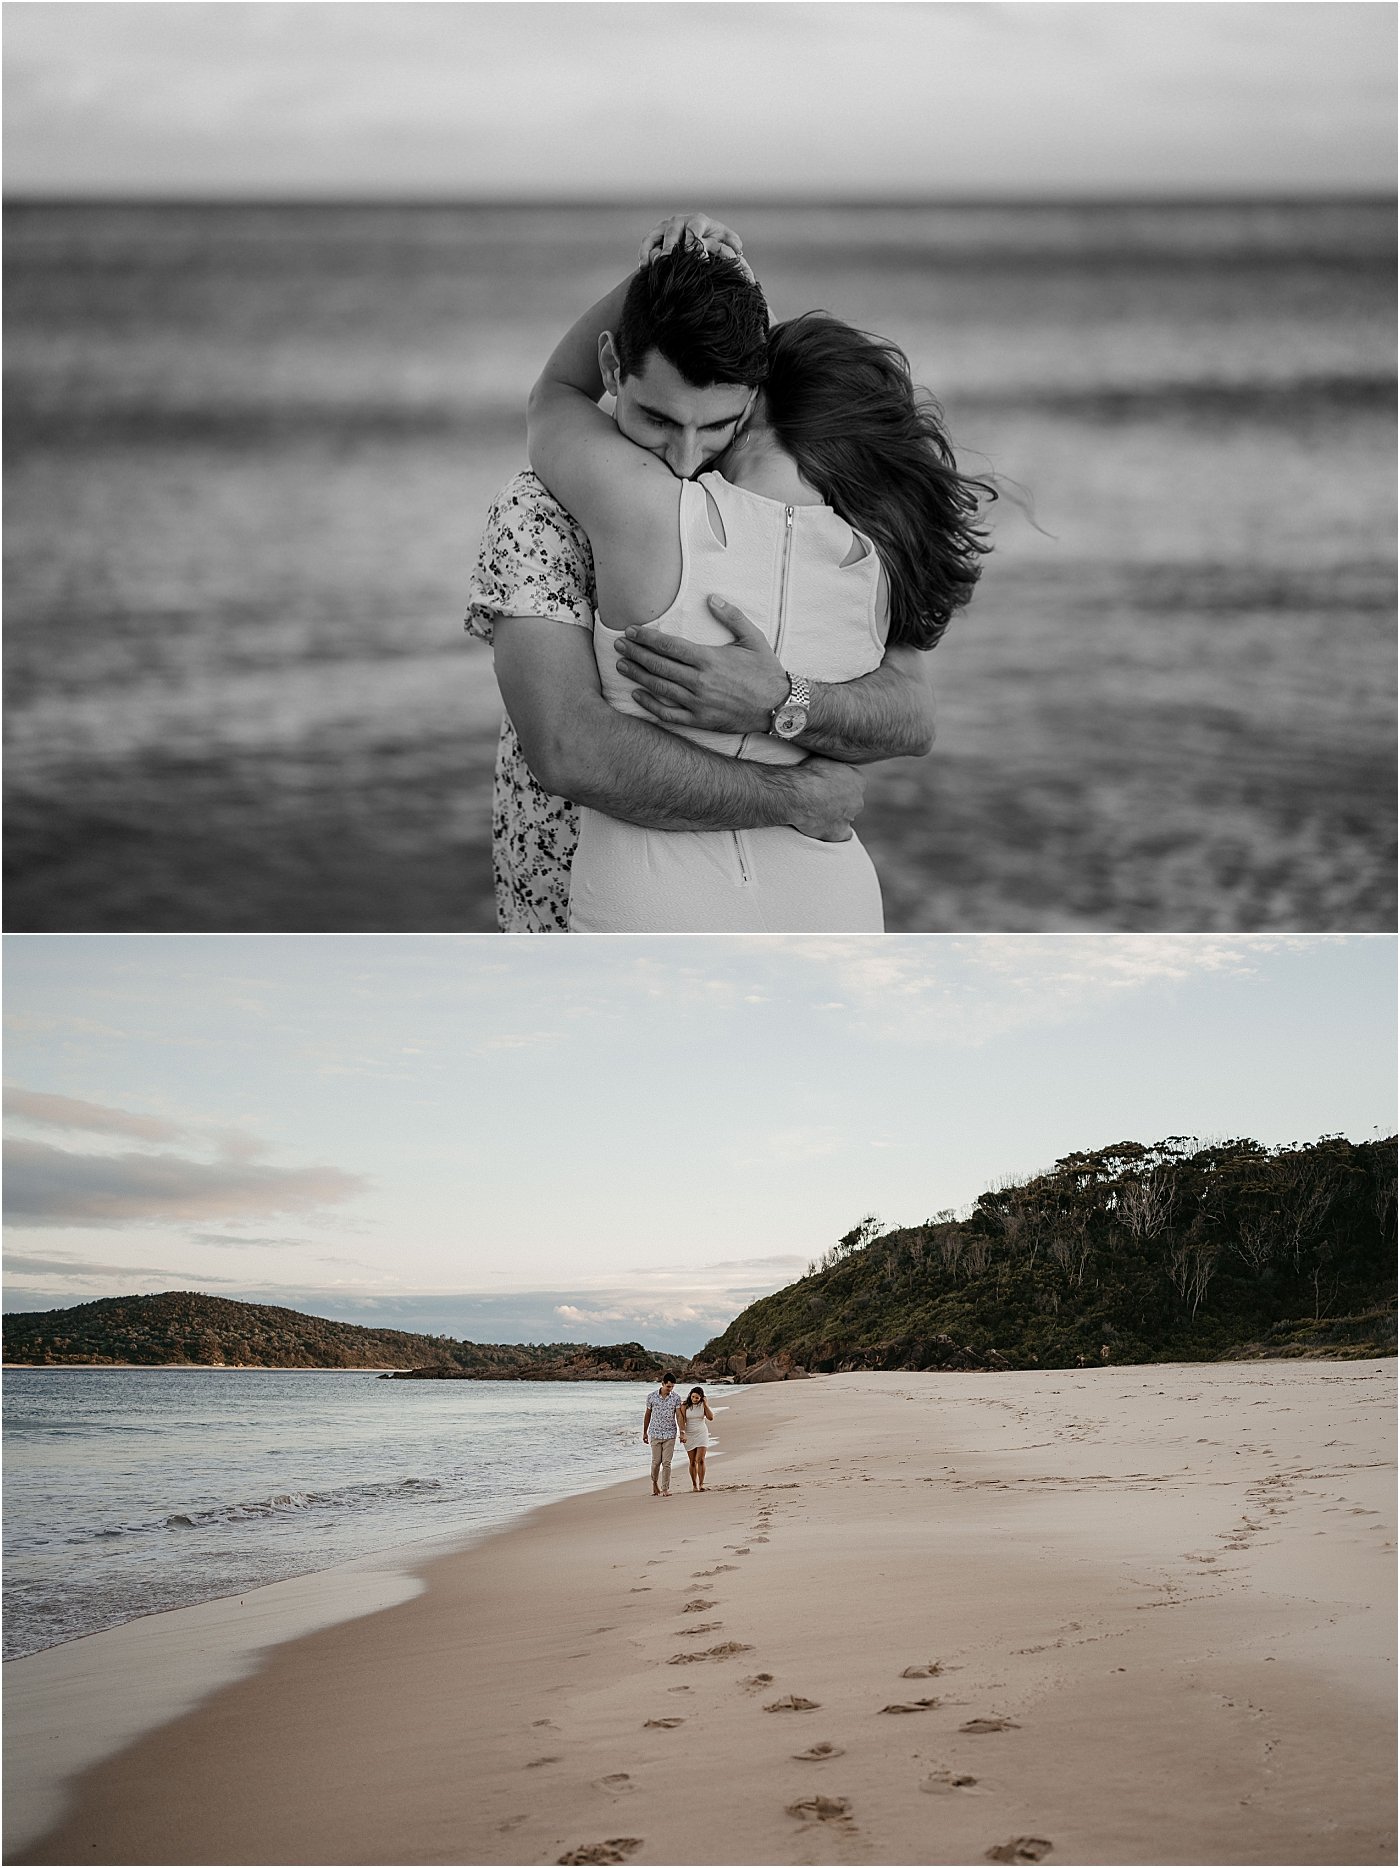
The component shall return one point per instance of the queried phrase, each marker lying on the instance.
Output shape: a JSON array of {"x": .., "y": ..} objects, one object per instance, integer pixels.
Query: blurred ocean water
[
  {"x": 249, "y": 450},
  {"x": 130, "y": 1491}
]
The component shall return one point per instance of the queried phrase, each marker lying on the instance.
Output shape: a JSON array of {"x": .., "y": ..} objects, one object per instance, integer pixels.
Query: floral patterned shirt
[
  {"x": 663, "y": 1414},
  {"x": 534, "y": 561}
]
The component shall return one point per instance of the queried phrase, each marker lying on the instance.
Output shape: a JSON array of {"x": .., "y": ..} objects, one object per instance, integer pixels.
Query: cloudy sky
[
  {"x": 664, "y": 99},
  {"x": 602, "y": 1140}
]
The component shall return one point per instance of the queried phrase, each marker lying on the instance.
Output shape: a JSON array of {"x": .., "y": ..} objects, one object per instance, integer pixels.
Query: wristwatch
[{"x": 791, "y": 718}]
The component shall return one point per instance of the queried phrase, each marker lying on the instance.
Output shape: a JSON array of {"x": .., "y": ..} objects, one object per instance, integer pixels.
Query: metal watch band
[{"x": 788, "y": 719}]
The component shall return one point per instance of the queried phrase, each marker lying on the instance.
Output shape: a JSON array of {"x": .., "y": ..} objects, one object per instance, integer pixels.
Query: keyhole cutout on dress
[{"x": 715, "y": 517}]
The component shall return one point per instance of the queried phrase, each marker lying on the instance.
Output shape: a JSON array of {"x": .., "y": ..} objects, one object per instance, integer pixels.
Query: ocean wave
[
  {"x": 276, "y": 1505},
  {"x": 111, "y": 421},
  {"x": 1261, "y": 399}
]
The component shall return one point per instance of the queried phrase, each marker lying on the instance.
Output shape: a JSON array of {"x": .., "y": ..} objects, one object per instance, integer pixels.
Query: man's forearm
[
  {"x": 579, "y": 747},
  {"x": 887, "y": 714},
  {"x": 646, "y": 775}
]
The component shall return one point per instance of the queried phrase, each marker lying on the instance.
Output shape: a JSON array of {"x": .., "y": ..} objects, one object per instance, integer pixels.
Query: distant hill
[
  {"x": 1170, "y": 1251},
  {"x": 216, "y": 1332}
]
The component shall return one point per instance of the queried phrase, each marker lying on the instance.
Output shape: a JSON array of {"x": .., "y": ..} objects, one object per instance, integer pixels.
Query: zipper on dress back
[{"x": 788, "y": 516}]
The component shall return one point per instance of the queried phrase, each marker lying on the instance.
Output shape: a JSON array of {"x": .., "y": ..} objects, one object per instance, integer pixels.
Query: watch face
[{"x": 789, "y": 721}]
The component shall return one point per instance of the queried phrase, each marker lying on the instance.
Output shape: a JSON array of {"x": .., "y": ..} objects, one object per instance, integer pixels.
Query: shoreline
[
  {"x": 69, "y": 1706},
  {"x": 321, "y": 1368},
  {"x": 201, "y": 1368},
  {"x": 1160, "y": 1601}
]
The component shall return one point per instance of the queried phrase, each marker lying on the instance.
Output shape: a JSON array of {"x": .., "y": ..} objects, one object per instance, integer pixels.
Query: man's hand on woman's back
[{"x": 829, "y": 797}]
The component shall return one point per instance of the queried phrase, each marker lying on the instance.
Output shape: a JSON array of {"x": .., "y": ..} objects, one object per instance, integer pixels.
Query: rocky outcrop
[
  {"x": 777, "y": 1368},
  {"x": 612, "y": 1362},
  {"x": 936, "y": 1351}
]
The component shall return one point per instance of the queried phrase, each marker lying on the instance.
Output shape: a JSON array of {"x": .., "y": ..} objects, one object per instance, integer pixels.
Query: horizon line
[{"x": 1323, "y": 197}]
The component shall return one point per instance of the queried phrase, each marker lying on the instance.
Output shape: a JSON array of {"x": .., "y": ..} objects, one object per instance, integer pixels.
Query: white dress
[
  {"x": 785, "y": 567},
  {"x": 697, "y": 1429}
]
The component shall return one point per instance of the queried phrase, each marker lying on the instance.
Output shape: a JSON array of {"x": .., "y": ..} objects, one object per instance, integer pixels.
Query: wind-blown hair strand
[{"x": 844, "y": 405}]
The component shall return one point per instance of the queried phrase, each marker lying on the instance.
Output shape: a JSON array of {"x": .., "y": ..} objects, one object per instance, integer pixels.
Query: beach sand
[{"x": 1140, "y": 1615}]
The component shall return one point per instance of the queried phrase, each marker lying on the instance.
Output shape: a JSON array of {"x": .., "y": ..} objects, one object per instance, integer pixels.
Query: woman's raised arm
[{"x": 578, "y": 451}]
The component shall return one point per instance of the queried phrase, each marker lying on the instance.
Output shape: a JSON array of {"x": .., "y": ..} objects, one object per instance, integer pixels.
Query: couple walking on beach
[{"x": 667, "y": 1417}]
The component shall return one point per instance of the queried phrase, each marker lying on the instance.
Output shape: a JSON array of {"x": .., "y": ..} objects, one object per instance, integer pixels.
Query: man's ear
[{"x": 608, "y": 364}]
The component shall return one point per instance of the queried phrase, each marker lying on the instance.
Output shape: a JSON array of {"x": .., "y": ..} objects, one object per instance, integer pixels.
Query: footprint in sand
[
  {"x": 664, "y": 1725},
  {"x": 913, "y": 1705},
  {"x": 699, "y": 1628},
  {"x": 757, "y": 1540},
  {"x": 718, "y": 1570},
  {"x": 756, "y": 1682},
  {"x": 1020, "y": 1849},
  {"x": 793, "y": 1703},
  {"x": 817, "y": 1754},
  {"x": 926, "y": 1672},
  {"x": 990, "y": 1725},
  {"x": 615, "y": 1850},
  {"x": 697, "y": 1607},
  {"x": 944, "y": 1783},
  {"x": 619, "y": 1781},
  {"x": 534, "y": 1762},
  {"x": 722, "y": 1652},
  {"x": 821, "y": 1810},
  {"x": 740, "y": 1550}
]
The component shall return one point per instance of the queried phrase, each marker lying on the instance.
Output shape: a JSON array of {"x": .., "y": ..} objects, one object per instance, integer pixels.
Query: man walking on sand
[{"x": 659, "y": 1429}]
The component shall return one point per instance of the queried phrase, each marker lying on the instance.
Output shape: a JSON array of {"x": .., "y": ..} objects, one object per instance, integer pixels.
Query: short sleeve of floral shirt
[{"x": 534, "y": 561}]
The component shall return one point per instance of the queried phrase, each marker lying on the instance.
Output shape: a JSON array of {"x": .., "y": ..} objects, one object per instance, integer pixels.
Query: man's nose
[{"x": 685, "y": 456}]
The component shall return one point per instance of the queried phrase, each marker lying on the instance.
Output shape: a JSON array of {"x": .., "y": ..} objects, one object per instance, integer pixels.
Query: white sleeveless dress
[
  {"x": 697, "y": 1429},
  {"x": 784, "y": 566}
]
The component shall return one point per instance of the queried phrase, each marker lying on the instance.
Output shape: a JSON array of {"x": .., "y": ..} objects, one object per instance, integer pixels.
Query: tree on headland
[{"x": 1182, "y": 1249}]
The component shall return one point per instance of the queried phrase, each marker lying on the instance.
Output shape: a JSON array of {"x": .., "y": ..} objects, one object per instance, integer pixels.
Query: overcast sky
[
  {"x": 604, "y": 1140},
  {"x": 699, "y": 104}
]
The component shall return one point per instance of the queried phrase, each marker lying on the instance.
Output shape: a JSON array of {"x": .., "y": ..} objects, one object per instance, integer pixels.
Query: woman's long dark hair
[{"x": 843, "y": 403}]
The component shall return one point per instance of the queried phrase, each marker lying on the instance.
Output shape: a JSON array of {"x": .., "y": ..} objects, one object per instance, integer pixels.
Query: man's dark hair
[{"x": 701, "y": 313}]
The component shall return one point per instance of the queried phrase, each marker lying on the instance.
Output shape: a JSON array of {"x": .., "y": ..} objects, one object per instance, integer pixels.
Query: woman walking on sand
[{"x": 692, "y": 1417}]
